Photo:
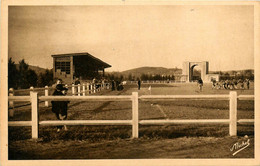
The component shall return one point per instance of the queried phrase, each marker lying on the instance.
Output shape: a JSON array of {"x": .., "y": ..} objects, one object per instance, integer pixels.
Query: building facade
[
  {"x": 82, "y": 65},
  {"x": 188, "y": 67}
]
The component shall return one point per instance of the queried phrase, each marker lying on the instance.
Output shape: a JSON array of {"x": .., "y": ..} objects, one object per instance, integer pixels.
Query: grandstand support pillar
[
  {"x": 35, "y": 114},
  {"x": 135, "y": 119},
  {"x": 71, "y": 69},
  {"x": 54, "y": 67},
  {"x": 233, "y": 113}
]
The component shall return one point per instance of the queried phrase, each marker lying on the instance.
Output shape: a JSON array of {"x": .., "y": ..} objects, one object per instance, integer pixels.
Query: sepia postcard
[{"x": 130, "y": 82}]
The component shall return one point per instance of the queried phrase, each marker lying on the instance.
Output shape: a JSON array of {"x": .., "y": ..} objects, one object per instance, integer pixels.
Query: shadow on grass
[{"x": 97, "y": 133}]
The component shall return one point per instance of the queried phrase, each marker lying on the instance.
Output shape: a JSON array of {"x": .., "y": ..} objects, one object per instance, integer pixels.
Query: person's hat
[{"x": 60, "y": 87}]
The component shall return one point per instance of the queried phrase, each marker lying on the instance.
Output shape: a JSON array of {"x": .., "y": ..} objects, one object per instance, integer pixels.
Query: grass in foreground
[{"x": 113, "y": 142}]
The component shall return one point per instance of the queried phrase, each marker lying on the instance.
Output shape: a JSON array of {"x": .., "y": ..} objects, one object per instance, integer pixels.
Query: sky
[{"x": 128, "y": 37}]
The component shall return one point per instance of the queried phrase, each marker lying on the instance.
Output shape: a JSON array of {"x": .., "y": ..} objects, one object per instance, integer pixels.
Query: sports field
[{"x": 113, "y": 142}]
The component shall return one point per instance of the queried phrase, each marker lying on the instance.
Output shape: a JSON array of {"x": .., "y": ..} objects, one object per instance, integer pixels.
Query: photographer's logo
[{"x": 239, "y": 146}]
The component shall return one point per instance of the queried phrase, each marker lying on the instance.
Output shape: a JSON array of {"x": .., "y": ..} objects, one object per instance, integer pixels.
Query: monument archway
[
  {"x": 188, "y": 69},
  {"x": 195, "y": 72}
]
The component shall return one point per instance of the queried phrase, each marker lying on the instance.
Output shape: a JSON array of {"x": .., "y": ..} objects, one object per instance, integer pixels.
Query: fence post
[
  {"x": 94, "y": 86},
  {"x": 11, "y": 103},
  {"x": 233, "y": 113},
  {"x": 73, "y": 90},
  {"x": 91, "y": 88},
  {"x": 84, "y": 90},
  {"x": 97, "y": 87},
  {"x": 31, "y": 89},
  {"x": 135, "y": 119},
  {"x": 87, "y": 88},
  {"x": 35, "y": 115},
  {"x": 78, "y": 89},
  {"x": 46, "y": 94}
]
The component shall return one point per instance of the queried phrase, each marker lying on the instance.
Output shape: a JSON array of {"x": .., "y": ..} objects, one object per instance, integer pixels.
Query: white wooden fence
[
  {"x": 88, "y": 88},
  {"x": 156, "y": 81},
  {"x": 34, "y": 98},
  {"x": 80, "y": 90}
]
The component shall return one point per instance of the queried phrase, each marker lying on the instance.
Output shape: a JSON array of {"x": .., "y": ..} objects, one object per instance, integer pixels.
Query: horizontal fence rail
[
  {"x": 187, "y": 97},
  {"x": 86, "y": 98},
  {"x": 86, "y": 122},
  {"x": 246, "y": 97},
  {"x": 20, "y": 123},
  {"x": 241, "y": 121},
  {"x": 188, "y": 121},
  {"x": 19, "y": 98},
  {"x": 34, "y": 123}
]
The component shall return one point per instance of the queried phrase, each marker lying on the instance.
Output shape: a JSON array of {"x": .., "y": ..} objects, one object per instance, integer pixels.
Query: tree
[
  {"x": 130, "y": 78},
  {"x": 144, "y": 77},
  {"x": 31, "y": 78},
  {"x": 157, "y": 77},
  {"x": 225, "y": 76},
  {"x": 111, "y": 76},
  {"x": 173, "y": 77},
  {"x": 45, "y": 78},
  {"x": 121, "y": 78},
  {"x": 49, "y": 77},
  {"x": 27, "y": 77},
  {"x": 13, "y": 75},
  {"x": 23, "y": 68},
  {"x": 249, "y": 74}
]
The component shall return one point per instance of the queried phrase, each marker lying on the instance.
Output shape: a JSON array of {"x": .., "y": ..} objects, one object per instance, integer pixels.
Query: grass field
[{"x": 113, "y": 142}]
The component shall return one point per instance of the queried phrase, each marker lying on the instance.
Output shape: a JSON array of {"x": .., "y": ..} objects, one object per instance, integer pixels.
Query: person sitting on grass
[{"x": 60, "y": 108}]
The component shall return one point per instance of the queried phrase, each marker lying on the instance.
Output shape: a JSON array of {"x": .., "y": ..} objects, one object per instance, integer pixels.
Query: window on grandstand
[{"x": 63, "y": 66}]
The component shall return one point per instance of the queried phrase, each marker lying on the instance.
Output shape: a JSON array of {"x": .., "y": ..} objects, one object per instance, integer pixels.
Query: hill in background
[
  {"x": 152, "y": 71},
  {"x": 137, "y": 72},
  {"x": 37, "y": 69}
]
